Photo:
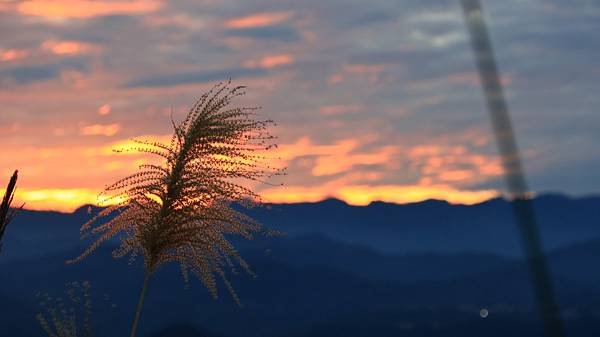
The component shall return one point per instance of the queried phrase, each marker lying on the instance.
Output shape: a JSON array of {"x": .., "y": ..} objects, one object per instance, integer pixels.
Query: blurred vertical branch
[
  {"x": 515, "y": 176},
  {"x": 6, "y": 213}
]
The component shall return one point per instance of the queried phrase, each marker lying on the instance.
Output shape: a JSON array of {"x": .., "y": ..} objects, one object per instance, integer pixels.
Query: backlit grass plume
[{"x": 182, "y": 211}]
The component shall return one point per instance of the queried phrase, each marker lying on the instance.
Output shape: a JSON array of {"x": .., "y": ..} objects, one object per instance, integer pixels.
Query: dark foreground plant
[
  {"x": 67, "y": 318},
  {"x": 183, "y": 210},
  {"x": 6, "y": 213}
]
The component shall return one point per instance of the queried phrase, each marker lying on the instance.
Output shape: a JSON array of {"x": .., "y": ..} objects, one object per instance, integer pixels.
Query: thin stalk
[{"x": 138, "y": 312}]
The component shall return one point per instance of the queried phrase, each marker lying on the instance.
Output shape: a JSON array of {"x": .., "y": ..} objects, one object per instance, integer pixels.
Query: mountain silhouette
[{"x": 329, "y": 275}]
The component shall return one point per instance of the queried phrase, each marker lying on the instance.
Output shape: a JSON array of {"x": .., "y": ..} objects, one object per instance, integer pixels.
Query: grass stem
[{"x": 140, "y": 305}]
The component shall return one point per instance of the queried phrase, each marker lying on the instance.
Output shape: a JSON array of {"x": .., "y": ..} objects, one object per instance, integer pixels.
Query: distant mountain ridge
[{"x": 430, "y": 226}]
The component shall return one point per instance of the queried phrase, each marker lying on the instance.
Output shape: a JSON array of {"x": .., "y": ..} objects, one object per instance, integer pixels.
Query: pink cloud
[
  {"x": 271, "y": 61},
  {"x": 66, "y": 47},
  {"x": 104, "y": 110},
  {"x": 258, "y": 20},
  {"x": 12, "y": 54}
]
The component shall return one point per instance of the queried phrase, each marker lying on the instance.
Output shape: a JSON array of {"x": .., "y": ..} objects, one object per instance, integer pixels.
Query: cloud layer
[{"x": 375, "y": 100}]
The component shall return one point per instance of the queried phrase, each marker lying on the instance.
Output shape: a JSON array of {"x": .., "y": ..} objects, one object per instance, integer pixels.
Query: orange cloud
[
  {"x": 258, "y": 20},
  {"x": 271, "y": 61},
  {"x": 344, "y": 161},
  {"x": 456, "y": 175},
  {"x": 83, "y": 9},
  {"x": 441, "y": 164},
  {"x": 66, "y": 47},
  {"x": 305, "y": 147},
  {"x": 100, "y": 130},
  {"x": 12, "y": 54},
  {"x": 453, "y": 164}
]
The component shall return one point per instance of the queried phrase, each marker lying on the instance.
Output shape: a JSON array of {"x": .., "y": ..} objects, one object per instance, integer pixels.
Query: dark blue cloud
[
  {"x": 166, "y": 80},
  {"x": 27, "y": 74},
  {"x": 370, "y": 19},
  {"x": 282, "y": 33},
  {"x": 33, "y": 73}
]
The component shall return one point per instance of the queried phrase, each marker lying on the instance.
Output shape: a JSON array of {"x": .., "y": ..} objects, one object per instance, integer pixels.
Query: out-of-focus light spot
[
  {"x": 258, "y": 20},
  {"x": 104, "y": 110},
  {"x": 100, "y": 130},
  {"x": 484, "y": 313}
]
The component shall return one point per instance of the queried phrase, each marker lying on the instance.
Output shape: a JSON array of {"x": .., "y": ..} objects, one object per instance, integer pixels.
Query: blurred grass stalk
[
  {"x": 515, "y": 176},
  {"x": 7, "y": 213}
]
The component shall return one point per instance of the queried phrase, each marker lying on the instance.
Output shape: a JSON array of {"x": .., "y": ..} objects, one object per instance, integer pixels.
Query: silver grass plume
[{"x": 183, "y": 210}]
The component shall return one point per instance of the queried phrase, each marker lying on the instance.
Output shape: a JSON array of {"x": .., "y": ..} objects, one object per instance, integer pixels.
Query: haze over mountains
[{"x": 381, "y": 270}]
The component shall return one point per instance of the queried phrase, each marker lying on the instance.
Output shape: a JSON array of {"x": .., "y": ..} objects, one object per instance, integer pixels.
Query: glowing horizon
[{"x": 69, "y": 200}]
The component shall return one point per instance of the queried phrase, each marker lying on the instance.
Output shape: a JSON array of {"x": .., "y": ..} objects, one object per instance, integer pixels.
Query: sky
[{"x": 374, "y": 100}]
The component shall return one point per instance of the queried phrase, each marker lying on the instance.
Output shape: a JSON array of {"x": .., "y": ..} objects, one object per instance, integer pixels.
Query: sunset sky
[{"x": 374, "y": 100}]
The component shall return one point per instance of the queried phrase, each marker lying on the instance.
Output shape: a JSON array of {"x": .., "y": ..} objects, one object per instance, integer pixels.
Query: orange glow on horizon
[
  {"x": 362, "y": 195},
  {"x": 68, "y": 200},
  {"x": 61, "y": 200}
]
